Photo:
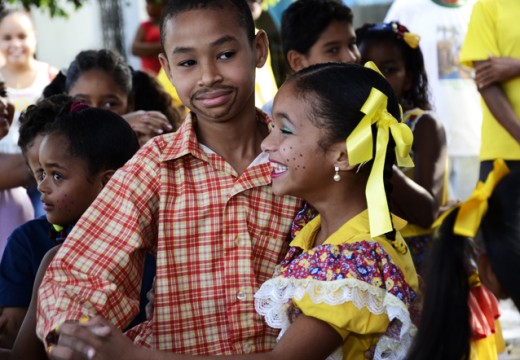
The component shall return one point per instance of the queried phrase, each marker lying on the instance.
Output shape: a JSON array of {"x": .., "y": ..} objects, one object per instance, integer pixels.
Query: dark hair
[
  {"x": 107, "y": 60},
  {"x": 6, "y": 12},
  {"x": 304, "y": 21},
  {"x": 150, "y": 95},
  {"x": 418, "y": 95},
  {"x": 447, "y": 277},
  {"x": 37, "y": 117},
  {"x": 101, "y": 138},
  {"x": 240, "y": 8},
  {"x": 337, "y": 91}
]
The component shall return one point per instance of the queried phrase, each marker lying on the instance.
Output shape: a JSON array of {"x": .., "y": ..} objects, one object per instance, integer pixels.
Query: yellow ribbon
[
  {"x": 474, "y": 208},
  {"x": 360, "y": 149},
  {"x": 411, "y": 39}
]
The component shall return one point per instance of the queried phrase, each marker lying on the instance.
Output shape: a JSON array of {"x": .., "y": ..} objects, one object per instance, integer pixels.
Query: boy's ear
[
  {"x": 296, "y": 60},
  {"x": 105, "y": 176},
  {"x": 261, "y": 47},
  {"x": 165, "y": 64},
  {"x": 488, "y": 277}
]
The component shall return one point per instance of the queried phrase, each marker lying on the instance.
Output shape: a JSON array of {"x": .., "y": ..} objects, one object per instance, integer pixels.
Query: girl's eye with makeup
[
  {"x": 57, "y": 176},
  {"x": 286, "y": 131}
]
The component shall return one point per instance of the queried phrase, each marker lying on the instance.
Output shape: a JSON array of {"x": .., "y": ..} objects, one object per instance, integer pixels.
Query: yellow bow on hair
[
  {"x": 475, "y": 207},
  {"x": 411, "y": 39},
  {"x": 360, "y": 149}
]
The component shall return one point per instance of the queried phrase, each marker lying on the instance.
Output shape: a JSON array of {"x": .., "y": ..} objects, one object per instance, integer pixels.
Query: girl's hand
[
  {"x": 95, "y": 339},
  {"x": 148, "y": 124}
]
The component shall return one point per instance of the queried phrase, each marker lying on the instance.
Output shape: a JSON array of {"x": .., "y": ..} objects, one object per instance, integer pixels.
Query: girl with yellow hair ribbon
[{"x": 459, "y": 314}]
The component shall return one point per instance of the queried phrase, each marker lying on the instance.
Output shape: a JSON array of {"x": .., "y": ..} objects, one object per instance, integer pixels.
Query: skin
[
  {"x": 336, "y": 43},
  {"x": 139, "y": 46},
  {"x": 499, "y": 106},
  {"x": 212, "y": 67},
  {"x": 496, "y": 70},
  {"x": 66, "y": 186},
  {"x": 307, "y": 337},
  {"x": 417, "y": 200}
]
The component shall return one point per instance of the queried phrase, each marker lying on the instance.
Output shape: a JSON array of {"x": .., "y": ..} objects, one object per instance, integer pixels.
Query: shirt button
[{"x": 241, "y": 296}]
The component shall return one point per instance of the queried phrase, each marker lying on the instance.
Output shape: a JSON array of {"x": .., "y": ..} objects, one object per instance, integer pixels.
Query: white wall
[{"x": 59, "y": 40}]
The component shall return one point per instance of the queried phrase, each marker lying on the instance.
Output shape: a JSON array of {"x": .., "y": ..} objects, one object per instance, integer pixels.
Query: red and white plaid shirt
[{"x": 217, "y": 237}]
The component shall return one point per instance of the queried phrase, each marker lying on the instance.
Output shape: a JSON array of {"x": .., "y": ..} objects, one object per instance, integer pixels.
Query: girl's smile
[{"x": 278, "y": 169}]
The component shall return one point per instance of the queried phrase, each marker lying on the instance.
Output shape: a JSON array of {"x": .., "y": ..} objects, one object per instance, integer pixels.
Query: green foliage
[{"x": 55, "y": 7}]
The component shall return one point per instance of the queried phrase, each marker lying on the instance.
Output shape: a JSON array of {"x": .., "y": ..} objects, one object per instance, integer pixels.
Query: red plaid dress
[{"x": 217, "y": 237}]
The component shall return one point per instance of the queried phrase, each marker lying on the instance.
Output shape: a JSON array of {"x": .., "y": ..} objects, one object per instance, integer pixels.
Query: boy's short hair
[
  {"x": 304, "y": 21},
  {"x": 239, "y": 7}
]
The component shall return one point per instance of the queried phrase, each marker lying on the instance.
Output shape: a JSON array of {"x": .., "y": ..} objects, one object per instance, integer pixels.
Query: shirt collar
[
  {"x": 356, "y": 228},
  {"x": 184, "y": 141}
]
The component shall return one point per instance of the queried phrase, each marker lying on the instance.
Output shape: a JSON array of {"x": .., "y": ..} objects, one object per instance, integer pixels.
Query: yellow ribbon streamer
[
  {"x": 472, "y": 210},
  {"x": 360, "y": 149}
]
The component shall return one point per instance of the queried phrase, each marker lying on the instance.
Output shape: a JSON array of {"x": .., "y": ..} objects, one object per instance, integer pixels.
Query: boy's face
[
  {"x": 211, "y": 62},
  {"x": 336, "y": 43}
]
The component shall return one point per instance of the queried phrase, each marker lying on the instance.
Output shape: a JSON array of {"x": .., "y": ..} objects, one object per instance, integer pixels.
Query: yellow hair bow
[
  {"x": 474, "y": 208},
  {"x": 411, "y": 39},
  {"x": 360, "y": 149}
]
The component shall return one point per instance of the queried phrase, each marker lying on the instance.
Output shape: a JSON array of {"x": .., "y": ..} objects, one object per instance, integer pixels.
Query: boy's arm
[
  {"x": 13, "y": 171},
  {"x": 11, "y": 319},
  {"x": 306, "y": 339},
  {"x": 27, "y": 344},
  {"x": 99, "y": 267},
  {"x": 496, "y": 70},
  {"x": 500, "y": 107},
  {"x": 144, "y": 49}
]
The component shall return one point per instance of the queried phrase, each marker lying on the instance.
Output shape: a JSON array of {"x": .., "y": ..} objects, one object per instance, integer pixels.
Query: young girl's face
[
  {"x": 17, "y": 39},
  {"x": 336, "y": 43},
  {"x": 98, "y": 89},
  {"x": 300, "y": 167},
  {"x": 66, "y": 186},
  {"x": 389, "y": 59}
]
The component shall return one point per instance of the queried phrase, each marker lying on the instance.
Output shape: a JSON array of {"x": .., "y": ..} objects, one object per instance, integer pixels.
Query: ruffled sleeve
[{"x": 354, "y": 287}]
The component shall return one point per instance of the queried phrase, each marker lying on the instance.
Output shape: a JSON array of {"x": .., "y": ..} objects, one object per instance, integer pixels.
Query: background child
[
  {"x": 147, "y": 41},
  {"x": 200, "y": 199},
  {"x": 25, "y": 77},
  {"x": 27, "y": 244},
  {"x": 345, "y": 287},
  {"x": 103, "y": 79},
  {"x": 448, "y": 291},
  {"x": 397, "y": 54},
  {"x": 315, "y": 31},
  {"x": 77, "y": 157}
]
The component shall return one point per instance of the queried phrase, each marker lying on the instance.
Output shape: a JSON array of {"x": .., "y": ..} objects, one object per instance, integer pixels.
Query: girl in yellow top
[{"x": 347, "y": 288}]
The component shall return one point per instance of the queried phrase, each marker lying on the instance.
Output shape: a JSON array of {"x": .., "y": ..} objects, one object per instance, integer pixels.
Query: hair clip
[{"x": 77, "y": 106}]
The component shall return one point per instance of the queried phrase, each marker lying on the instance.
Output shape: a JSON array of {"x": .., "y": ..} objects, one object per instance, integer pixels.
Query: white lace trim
[{"x": 273, "y": 298}]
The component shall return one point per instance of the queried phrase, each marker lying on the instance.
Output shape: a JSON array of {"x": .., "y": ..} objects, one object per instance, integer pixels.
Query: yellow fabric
[
  {"x": 360, "y": 149},
  {"x": 359, "y": 328},
  {"x": 494, "y": 30},
  {"x": 484, "y": 349},
  {"x": 474, "y": 208},
  {"x": 162, "y": 78}
]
